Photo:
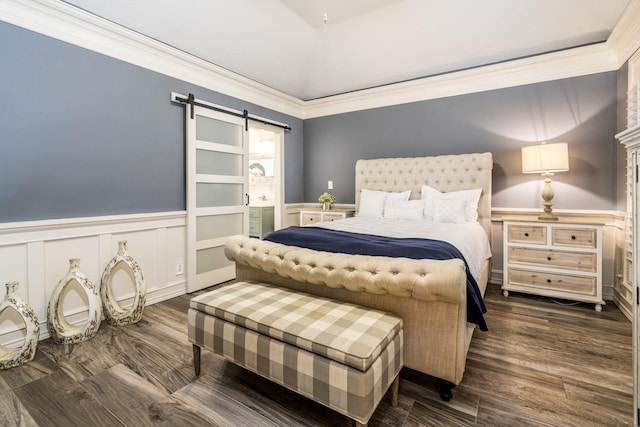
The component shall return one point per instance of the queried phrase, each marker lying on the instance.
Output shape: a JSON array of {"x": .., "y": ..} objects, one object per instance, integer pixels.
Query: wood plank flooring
[{"x": 540, "y": 364}]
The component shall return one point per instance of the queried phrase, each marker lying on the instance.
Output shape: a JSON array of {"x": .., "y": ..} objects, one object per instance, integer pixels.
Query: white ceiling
[{"x": 285, "y": 44}]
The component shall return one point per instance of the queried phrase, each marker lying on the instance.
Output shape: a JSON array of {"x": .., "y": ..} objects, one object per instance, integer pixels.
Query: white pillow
[
  {"x": 432, "y": 196},
  {"x": 373, "y": 202},
  {"x": 410, "y": 209},
  {"x": 392, "y": 198},
  {"x": 450, "y": 209}
]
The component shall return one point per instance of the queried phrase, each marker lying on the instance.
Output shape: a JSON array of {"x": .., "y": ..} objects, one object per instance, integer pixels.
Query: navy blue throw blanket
[{"x": 322, "y": 239}]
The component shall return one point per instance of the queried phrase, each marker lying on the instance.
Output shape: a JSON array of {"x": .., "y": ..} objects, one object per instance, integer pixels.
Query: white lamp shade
[{"x": 545, "y": 158}]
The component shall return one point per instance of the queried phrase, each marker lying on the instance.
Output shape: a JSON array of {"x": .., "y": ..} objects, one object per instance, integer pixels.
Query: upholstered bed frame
[
  {"x": 429, "y": 295},
  {"x": 444, "y": 173}
]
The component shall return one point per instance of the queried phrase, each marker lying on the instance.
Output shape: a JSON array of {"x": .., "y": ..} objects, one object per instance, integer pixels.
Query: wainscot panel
[{"x": 37, "y": 253}]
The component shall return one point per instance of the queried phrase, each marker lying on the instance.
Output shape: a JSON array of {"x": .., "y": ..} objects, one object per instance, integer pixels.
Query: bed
[{"x": 433, "y": 296}]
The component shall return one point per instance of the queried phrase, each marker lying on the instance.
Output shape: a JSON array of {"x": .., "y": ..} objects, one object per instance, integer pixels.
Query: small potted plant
[{"x": 327, "y": 200}]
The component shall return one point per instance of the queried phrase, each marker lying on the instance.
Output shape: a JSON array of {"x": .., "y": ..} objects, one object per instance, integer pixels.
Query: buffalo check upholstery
[{"x": 341, "y": 355}]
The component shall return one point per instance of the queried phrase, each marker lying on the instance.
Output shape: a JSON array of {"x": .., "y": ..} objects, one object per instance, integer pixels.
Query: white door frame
[{"x": 278, "y": 167}]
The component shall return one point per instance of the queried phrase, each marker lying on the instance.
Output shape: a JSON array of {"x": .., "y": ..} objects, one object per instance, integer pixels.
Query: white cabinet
[
  {"x": 310, "y": 216},
  {"x": 261, "y": 221},
  {"x": 555, "y": 259}
]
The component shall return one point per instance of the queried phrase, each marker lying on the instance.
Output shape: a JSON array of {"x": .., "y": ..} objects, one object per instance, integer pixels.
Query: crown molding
[
  {"x": 552, "y": 66},
  {"x": 625, "y": 37},
  {"x": 64, "y": 22}
]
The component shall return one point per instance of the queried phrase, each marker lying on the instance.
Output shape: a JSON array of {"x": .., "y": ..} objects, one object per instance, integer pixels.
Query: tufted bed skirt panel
[{"x": 425, "y": 280}]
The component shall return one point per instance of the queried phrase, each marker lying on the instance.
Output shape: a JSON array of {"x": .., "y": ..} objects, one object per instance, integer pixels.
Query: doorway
[{"x": 266, "y": 183}]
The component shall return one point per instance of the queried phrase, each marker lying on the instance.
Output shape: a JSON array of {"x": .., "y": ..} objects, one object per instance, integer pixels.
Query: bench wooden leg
[
  {"x": 359, "y": 424},
  {"x": 196, "y": 359},
  {"x": 395, "y": 387}
]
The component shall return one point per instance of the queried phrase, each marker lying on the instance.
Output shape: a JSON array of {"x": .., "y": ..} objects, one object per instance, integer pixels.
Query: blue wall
[
  {"x": 83, "y": 134},
  {"x": 580, "y": 111}
]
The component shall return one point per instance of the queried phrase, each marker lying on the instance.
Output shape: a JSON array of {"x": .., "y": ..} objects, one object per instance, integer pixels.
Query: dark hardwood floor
[{"x": 540, "y": 364}]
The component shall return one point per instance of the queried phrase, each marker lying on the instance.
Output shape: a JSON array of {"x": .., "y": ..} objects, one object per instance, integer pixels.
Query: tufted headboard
[{"x": 445, "y": 173}]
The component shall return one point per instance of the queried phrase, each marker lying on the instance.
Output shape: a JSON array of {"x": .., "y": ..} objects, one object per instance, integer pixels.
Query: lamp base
[
  {"x": 547, "y": 196},
  {"x": 548, "y": 217}
]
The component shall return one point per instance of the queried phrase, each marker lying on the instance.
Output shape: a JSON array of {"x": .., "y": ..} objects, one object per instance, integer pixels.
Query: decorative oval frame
[
  {"x": 61, "y": 331},
  {"x": 114, "y": 314},
  {"x": 12, "y": 357}
]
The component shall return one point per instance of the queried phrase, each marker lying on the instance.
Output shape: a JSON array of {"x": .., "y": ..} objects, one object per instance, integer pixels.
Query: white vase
[
  {"x": 114, "y": 314},
  {"x": 61, "y": 331},
  {"x": 12, "y": 357}
]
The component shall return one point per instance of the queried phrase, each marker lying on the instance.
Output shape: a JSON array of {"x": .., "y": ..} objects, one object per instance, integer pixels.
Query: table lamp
[{"x": 546, "y": 159}]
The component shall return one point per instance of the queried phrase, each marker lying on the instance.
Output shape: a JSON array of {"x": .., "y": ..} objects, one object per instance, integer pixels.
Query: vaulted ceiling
[{"x": 317, "y": 48}]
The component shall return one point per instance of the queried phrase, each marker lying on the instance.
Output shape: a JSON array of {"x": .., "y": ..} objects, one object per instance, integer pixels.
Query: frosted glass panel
[
  {"x": 215, "y": 226},
  {"x": 217, "y": 163},
  {"x": 215, "y": 195},
  {"x": 211, "y": 259},
  {"x": 212, "y": 130}
]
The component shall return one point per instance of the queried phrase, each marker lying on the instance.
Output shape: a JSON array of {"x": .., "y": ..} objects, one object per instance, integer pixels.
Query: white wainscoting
[{"x": 37, "y": 254}]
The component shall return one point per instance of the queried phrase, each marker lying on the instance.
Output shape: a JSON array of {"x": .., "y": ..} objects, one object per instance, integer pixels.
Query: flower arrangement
[{"x": 327, "y": 199}]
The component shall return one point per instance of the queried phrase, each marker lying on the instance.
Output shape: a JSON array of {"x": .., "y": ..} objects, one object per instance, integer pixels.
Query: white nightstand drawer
[
  {"x": 532, "y": 234},
  {"x": 332, "y": 216},
  {"x": 574, "y": 237},
  {"x": 571, "y": 284},
  {"x": 310, "y": 218},
  {"x": 579, "y": 261}
]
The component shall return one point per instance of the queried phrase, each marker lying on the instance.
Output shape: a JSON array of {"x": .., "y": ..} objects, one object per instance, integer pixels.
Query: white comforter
[{"x": 470, "y": 238}]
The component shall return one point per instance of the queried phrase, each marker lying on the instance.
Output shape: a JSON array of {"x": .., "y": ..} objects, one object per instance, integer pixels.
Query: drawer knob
[
  {"x": 526, "y": 234},
  {"x": 548, "y": 280},
  {"x": 548, "y": 258},
  {"x": 573, "y": 237}
]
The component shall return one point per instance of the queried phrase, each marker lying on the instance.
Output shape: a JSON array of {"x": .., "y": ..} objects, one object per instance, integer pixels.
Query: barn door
[{"x": 217, "y": 193}]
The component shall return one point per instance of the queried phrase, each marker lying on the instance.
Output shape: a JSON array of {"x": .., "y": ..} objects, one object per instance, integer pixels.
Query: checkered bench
[{"x": 341, "y": 355}]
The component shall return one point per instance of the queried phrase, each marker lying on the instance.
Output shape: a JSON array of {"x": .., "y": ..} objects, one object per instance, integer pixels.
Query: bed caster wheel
[{"x": 445, "y": 388}]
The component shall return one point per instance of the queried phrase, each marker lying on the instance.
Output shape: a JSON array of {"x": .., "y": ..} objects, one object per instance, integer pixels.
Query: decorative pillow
[
  {"x": 392, "y": 198},
  {"x": 373, "y": 203},
  {"x": 450, "y": 209},
  {"x": 432, "y": 196},
  {"x": 410, "y": 209}
]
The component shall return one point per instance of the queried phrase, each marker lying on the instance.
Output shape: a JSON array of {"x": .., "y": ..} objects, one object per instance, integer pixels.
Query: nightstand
[
  {"x": 556, "y": 259},
  {"x": 310, "y": 216}
]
